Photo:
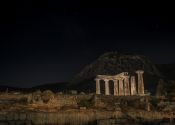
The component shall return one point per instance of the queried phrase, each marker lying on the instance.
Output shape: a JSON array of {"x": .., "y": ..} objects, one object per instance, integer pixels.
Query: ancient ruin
[{"x": 124, "y": 85}]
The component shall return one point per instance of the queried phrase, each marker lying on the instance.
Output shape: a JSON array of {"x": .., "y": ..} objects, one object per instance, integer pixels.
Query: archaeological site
[
  {"x": 123, "y": 84},
  {"x": 128, "y": 105}
]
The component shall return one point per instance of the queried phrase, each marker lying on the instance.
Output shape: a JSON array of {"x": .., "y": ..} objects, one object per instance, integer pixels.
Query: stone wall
[
  {"x": 70, "y": 100},
  {"x": 57, "y": 118},
  {"x": 118, "y": 121},
  {"x": 77, "y": 117},
  {"x": 58, "y": 100}
]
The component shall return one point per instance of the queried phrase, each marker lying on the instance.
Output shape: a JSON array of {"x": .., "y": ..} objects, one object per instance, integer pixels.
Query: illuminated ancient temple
[{"x": 124, "y": 85}]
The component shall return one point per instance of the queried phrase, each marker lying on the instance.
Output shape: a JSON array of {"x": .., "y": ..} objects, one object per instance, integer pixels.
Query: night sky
[{"x": 47, "y": 42}]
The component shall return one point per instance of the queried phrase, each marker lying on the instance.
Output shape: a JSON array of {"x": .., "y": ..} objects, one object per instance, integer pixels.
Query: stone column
[
  {"x": 140, "y": 82},
  {"x": 121, "y": 90},
  {"x": 116, "y": 87},
  {"x": 106, "y": 86},
  {"x": 126, "y": 86},
  {"x": 133, "y": 86},
  {"x": 97, "y": 86}
]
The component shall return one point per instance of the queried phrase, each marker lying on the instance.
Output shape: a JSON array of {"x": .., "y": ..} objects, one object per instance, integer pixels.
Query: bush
[
  {"x": 155, "y": 101},
  {"x": 85, "y": 103},
  {"x": 23, "y": 100},
  {"x": 47, "y": 95}
]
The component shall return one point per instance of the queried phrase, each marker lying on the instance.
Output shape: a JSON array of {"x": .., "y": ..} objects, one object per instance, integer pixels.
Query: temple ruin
[{"x": 124, "y": 85}]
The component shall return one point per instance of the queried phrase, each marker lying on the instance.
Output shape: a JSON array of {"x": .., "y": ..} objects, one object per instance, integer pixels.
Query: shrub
[
  {"x": 85, "y": 103},
  {"x": 23, "y": 100},
  {"x": 155, "y": 101}
]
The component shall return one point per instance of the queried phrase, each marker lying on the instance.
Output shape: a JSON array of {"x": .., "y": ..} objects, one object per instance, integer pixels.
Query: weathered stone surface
[
  {"x": 121, "y": 89},
  {"x": 16, "y": 116},
  {"x": 140, "y": 82},
  {"x": 133, "y": 86},
  {"x": 97, "y": 86},
  {"x": 10, "y": 116},
  {"x": 23, "y": 123},
  {"x": 4, "y": 123},
  {"x": 117, "y": 121},
  {"x": 116, "y": 87},
  {"x": 22, "y": 116},
  {"x": 11, "y": 122},
  {"x": 2, "y": 117},
  {"x": 82, "y": 108},
  {"x": 126, "y": 86},
  {"x": 79, "y": 117},
  {"x": 107, "y": 87}
]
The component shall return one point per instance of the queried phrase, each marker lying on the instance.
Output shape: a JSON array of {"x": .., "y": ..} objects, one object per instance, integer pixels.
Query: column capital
[
  {"x": 139, "y": 72},
  {"x": 127, "y": 76},
  {"x": 121, "y": 79},
  {"x": 116, "y": 80},
  {"x": 97, "y": 79},
  {"x": 106, "y": 80},
  {"x": 132, "y": 77}
]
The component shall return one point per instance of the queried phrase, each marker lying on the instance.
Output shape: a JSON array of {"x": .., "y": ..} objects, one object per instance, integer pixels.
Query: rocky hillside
[{"x": 112, "y": 63}]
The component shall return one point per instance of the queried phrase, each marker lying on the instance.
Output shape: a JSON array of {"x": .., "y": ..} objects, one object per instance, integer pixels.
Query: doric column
[
  {"x": 126, "y": 86},
  {"x": 133, "y": 86},
  {"x": 140, "y": 82},
  {"x": 121, "y": 89},
  {"x": 106, "y": 86},
  {"x": 97, "y": 86},
  {"x": 116, "y": 87}
]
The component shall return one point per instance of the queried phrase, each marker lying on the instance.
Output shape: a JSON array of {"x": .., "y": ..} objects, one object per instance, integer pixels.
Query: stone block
[
  {"x": 2, "y": 117},
  {"x": 22, "y": 116},
  {"x": 4, "y": 123},
  {"x": 82, "y": 108},
  {"x": 16, "y": 116},
  {"x": 10, "y": 116}
]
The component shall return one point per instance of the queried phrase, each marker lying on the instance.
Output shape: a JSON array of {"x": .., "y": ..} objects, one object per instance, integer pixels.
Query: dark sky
[{"x": 46, "y": 42}]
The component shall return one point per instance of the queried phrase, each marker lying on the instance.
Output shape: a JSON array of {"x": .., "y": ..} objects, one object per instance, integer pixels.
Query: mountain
[{"x": 112, "y": 63}]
